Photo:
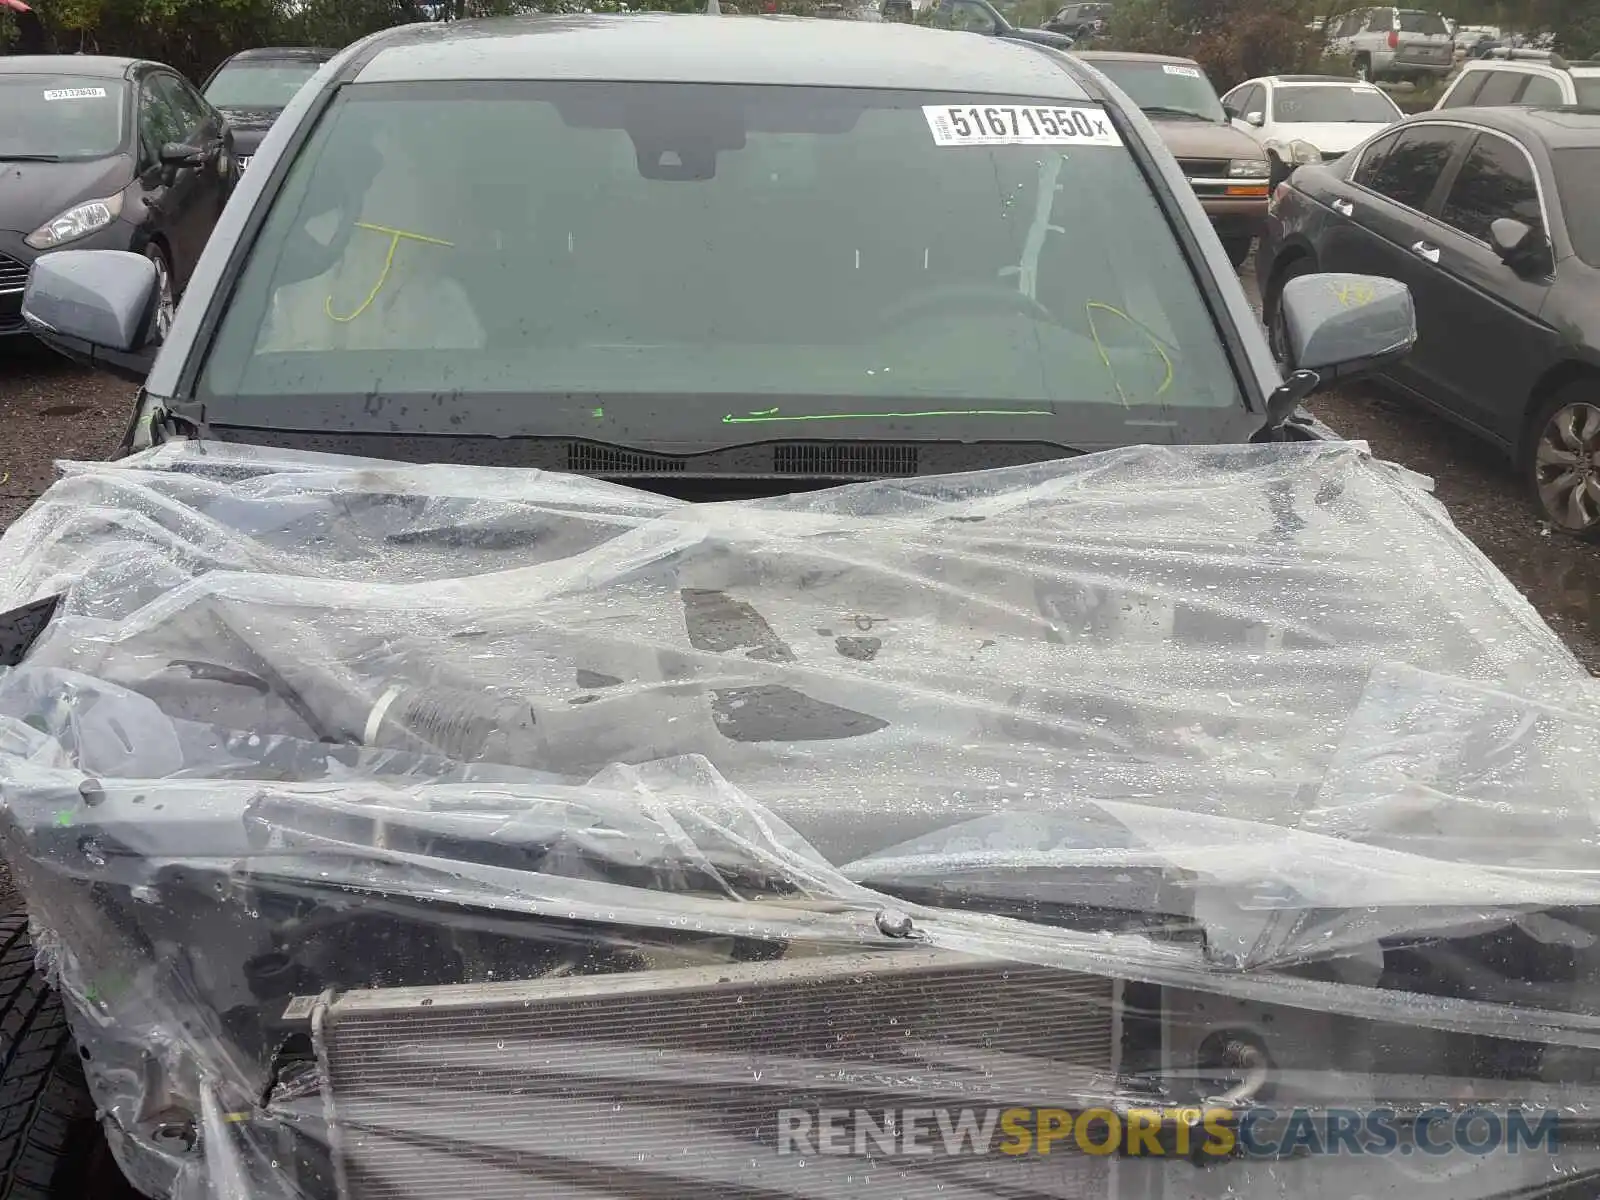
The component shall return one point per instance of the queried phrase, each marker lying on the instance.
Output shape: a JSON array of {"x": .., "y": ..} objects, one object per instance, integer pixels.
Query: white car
[
  {"x": 1308, "y": 118},
  {"x": 1531, "y": 77}
]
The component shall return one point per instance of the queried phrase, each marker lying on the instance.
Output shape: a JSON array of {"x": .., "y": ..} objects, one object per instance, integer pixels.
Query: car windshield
[
  {"x": 1578, "y": 181},
  {"x": 60, "y": 116},
  {"x": 1587, "y": 88},
  {"x": 1333, "y": 105},
  {"x": 1431, "y": 24},
  {"x": 721, "y": 260},
  {"x": 1167, "y": 89},
  {"x": 270, "y": 83}
]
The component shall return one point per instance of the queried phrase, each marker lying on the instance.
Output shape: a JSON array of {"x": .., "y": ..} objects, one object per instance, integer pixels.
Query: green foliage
[{"x": 1233, "y": 39}]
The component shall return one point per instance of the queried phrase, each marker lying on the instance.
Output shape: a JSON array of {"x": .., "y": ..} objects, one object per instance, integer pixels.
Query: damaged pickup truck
[{"x": 736, "y": 810}]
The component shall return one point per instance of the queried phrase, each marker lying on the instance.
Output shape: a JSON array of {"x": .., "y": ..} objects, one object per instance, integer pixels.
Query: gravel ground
[{"x": 53, "y": 410}]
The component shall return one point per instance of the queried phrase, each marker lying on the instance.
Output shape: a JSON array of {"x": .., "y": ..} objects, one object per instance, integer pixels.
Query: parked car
[
  {"x": 1488, "y": 216},
  {"x": 424, "y": 826},
  {"x": 709, "y": 798},
  {"x": 251, "y": 88},
  {"x": 1227, "y": 169},
  {"x": 1080, "y": 21},
  {"x": 979, "y": 16},
  {"x": 1523, "y": 77},
  {"x": 1308, "y": 118},
  {"x": 106, "y": 153},
  {"x": 1395, "y": 43}
]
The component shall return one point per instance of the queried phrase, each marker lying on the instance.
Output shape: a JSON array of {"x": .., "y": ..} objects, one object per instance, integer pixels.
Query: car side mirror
[
  {"x": 181, "y": 154},
  {"x": 1520, "y": 247},
  {"x": 95, "y": 306},
  {"x": 1336, "y": 327},
  {"x": 1255, "y": 118}
]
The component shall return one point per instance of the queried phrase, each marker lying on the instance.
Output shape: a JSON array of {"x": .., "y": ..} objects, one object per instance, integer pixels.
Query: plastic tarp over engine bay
[{"x": 403, "y": 831}]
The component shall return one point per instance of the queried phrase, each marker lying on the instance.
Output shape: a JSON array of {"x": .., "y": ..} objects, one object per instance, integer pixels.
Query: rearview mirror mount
[{"x": 95, "y": 306}]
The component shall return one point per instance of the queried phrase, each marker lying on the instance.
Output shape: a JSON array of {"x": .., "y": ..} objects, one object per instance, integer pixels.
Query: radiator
[{"x": 668, "y": 1084}]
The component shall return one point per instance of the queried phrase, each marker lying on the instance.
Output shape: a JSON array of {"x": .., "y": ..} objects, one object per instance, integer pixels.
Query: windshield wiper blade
[
  {"x": 1161, "y": 110},
  {"x": 30, "y": 158}
]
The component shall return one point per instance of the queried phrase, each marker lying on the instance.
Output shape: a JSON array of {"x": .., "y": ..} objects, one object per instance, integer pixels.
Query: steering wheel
[{"x": 965, "y": 298}]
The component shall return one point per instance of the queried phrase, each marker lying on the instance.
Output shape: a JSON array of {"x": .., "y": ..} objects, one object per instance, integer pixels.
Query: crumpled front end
[{"x": 1162, "y": 823}]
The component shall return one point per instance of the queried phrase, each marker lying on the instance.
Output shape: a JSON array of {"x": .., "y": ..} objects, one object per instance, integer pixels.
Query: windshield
[
  {"x": 1167, "y": 89},
  {"x": 1578, "y": 180},
  {"x": 265, "y": 84},
  {"x": 1333, "y": 105},
  {"x": 1587, "y": 88},
  {"x": 777, "y": 254},
  {"x": 1431, "y": 24},
  {"x": 60, "y": 116}
]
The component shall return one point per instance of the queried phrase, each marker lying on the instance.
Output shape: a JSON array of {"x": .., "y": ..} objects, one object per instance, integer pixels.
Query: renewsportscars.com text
[{"x": 1167, "y": 1132}]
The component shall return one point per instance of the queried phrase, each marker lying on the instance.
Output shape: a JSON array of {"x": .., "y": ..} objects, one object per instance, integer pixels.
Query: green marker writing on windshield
[{"x": 769, "y": 415}]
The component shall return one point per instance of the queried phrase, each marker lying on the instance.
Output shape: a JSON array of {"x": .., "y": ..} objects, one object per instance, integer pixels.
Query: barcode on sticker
[
  {"x": 1019, "y": 125},
  {"x": 1186, "y": 72},
  {"x": 76, "y": 94}
]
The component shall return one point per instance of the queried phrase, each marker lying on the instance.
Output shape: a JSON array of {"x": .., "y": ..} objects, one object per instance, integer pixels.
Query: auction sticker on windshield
[
  {"x": 1176, "y": 69},
  {"x": 1019, "y": 125},
  {"x": 76, "y": 94}
]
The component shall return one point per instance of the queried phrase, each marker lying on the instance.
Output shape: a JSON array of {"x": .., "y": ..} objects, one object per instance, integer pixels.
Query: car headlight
[
  {"x": 1304, "y": 152},
  {"x": 1249, "y": 168},
  {"x": 78, "y": 221}
]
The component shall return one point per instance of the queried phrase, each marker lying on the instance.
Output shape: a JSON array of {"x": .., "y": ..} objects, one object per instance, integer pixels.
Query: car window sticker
[{"x": 1019, "y": 125}]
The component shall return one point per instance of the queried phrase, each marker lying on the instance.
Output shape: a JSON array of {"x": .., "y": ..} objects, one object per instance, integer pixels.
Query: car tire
[
  {"x": 1272, "y": 303},
  {"x": 1238, "y": 250},
  {"x": 166, "y": 289},
  {"x": 1561, "y": 459},
  {"x": 51, "y": 1146}
]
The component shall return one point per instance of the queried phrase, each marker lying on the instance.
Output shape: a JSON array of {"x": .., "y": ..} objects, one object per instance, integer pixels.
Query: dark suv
[{"x": 1080, "y": 21}]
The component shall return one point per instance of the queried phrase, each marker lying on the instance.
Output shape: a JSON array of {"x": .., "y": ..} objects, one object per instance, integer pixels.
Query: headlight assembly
[{"x": 78, "y": 221}]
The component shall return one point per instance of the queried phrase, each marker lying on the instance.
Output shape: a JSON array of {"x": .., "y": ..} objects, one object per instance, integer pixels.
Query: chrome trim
[
  {"x": 1361, "y": 153},
  {"x": 1255, "y": 181},
  {"x": 13, "y": 291}
]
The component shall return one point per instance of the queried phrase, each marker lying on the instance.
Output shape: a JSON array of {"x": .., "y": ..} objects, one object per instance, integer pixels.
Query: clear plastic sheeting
[{"x": 405, "y": 832}]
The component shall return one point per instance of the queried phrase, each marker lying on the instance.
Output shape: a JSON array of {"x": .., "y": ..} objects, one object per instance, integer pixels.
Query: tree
[{"x": 1234, "y": 40}]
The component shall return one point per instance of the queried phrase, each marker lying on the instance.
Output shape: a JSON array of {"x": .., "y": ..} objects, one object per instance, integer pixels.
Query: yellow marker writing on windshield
[
  {"x": 1155, "y": 344},
  {"x": 395, "y": 237}
]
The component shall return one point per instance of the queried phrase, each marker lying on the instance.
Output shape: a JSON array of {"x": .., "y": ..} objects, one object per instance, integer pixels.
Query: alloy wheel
[
  {"x": 166, "y": 304},
  {"x": 1567, "y": 468}
]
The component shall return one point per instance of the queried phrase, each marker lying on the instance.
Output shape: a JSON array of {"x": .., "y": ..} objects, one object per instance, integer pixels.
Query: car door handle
[
  {"x": 1344, "y": 208},
  {"x": 1427, "y": 251}
]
